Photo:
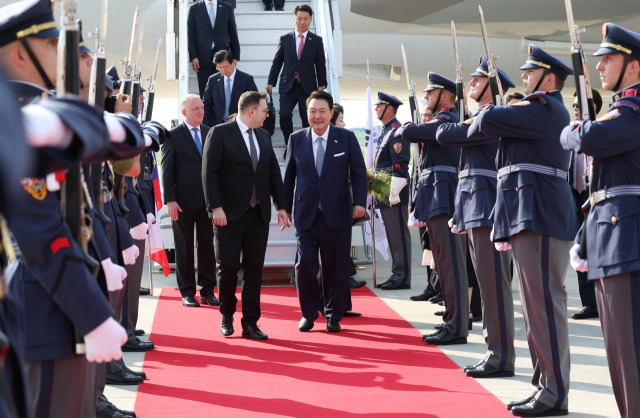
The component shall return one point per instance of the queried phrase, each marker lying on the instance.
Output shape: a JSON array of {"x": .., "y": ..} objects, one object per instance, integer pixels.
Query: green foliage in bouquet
[{"x": 379, "y": 184}]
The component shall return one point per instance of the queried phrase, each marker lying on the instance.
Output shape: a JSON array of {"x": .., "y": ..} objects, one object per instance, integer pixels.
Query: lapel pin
[{"x": 335, "y": 140}]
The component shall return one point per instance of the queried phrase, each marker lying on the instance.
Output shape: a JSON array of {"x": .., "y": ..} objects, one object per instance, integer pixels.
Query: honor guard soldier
[
  {"x": 392, "y": 156},
  {"x": 534, "y": 213},
  {"x": 613, "y": 241},
  {"x": 434, "y": 204},
  {"x": 475, "y": 198}
]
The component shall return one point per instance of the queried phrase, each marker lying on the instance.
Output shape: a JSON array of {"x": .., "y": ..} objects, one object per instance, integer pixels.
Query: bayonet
[
  {"x": 461, "y": 102},
  {"x": 151, "y": 92},
  {"x": 127, "y": 74},
  {"x": 494, "y": 80},
  {"x": 415, "y": 116}
]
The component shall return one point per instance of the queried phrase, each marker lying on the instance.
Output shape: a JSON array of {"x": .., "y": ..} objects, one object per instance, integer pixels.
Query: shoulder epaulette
[
  {"x": 537, "y": 96},
  {"x": 443, "y": 115}
]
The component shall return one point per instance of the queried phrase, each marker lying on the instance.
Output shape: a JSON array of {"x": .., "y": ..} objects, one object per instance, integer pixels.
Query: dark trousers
[
  {"x": 183, "y": 237},
  {"x": 288, "y": 101},
  {"x": 247, "y": 236},
  {"x": 129, "y": 316},
  {"x": 207, "y": 69},
  {"x": 278, "y": 4},
  {"x": 334, "y": 246},
  {"x": 585, "y": 287}
]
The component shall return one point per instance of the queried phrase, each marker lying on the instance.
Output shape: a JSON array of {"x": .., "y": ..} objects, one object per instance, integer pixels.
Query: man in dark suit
[
  {"x": 319, "y": 161},
  {"x": 240, "y": 172},
  {"x": 184, "y": 197},
  {"x": 211, "y": 27},
  {"x": 270, "y": 4},
  {"x": 224, "y": 89},
  {"x": 302, "y": 54}
]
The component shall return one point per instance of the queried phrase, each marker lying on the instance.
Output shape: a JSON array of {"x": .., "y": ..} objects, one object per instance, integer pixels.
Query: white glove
[
  {"x": 397, "y": 184},
  {"x": 454, "y": 228},
  {"x": 52, "y": 184},
  {"x": 114, "y": 274},
  {"x": 105, "y": 342},
  {"x": 576, "y": 262},
  {"x": 150, "y": 220},
  {"x": 44, "y": 128},
  {"x": 147, "y": 140},
  {"x": 398, "y": 132},
  {"x": 117, "y": 133},
  {"x": 414, "y": 222},
  {"x": 139, "y": 232},
  {"x": 502, "y": 246},
  {"x": 130, "y": 254}
]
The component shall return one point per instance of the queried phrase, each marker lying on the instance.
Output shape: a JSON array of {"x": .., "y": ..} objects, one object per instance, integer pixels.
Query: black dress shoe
[
  {"x": 268, "y": 8},
  {"x": 144, "y": 291},
  {"x": 437, "y": 298},
  {"x": 253, "y": 332},
  {"x": 473, "y": 366},
  {"x": 333, "y": 326},
  {"x": 394, "y": 285},
  {"x": 306, "y": 324},
  {"x": 439, "y": 313},
  {"x": 143, "y": 375},
  {"x": 226, "y": 326},
  {"x": 538, "y": 409},
  {"x": 110, "y": 412},
  {"x": 356, "y": 284},
  {"x": 379, "y": 285},
  {"x": 440, "y": 330},
  {"x": 121, "y": 411},
  {"x": 487, "y": 370},
  {"x": 123, "y": 378},
  {"x": 209, "y": 300},
  {"x": 587, "y": 312},
  {"x": 138, "y": 332},
  {"x": 524, "y": 401},
  {"x": 445, "y": 338},
  {"x": 138, "y": 345},
  {"x": 352, "y": 314},
  {"x": 190, "y": 302},
  {"x": 426, "y": 295}
]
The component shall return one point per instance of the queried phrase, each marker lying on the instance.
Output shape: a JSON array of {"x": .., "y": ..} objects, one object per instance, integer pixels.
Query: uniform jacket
[
  {"x": 530, "y": 133},
  {"x": 200, "y": 34},
  {"x": 228, "y": 176},
  {"x": 476, "y": 194},
  {"x": 311, "y": 66},
  {"x": 304, "y": 188},
  {"x": 436, "y": 191},
  {"x": 182, "y": 167},
  {"x": 393, "y": 155},
  {"x": 214, "y": 98},
  {"x": 613, "y": 237}
]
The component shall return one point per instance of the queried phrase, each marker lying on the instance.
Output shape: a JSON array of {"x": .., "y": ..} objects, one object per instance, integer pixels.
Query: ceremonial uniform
[
  {"x": 434, "y": 203},
  {"x": 392, "y": 156},
  {"x": 475, "y": 198},
  {"x": 613, "y": 235},
  {"x": 534, "y": 212}
]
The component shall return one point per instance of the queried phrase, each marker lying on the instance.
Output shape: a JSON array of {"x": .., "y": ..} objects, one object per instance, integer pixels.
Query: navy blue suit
[
  {"x": 313, "y": 74},
  {"x": 214, "y": 98},
  {"x": 329, "y": 230},
  {"x": 201, "y": 37}
]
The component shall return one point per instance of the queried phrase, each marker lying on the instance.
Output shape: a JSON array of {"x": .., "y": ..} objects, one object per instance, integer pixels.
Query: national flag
[
  {"x": 156, "y": 185},
  {"x": 158, "y": 253},
  {"x": 371, "y": 133}
]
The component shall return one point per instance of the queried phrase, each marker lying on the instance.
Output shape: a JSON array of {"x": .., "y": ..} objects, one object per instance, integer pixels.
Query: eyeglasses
[{"x": 575, "y": 106}]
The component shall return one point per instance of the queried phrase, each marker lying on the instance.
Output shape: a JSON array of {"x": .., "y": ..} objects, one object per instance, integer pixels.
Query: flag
[
  {"x": 158, "y": 253},
  {"x": 371, "y": 133},
  {"x": 382, "y": 245},
  {"x": 156, "y": 186}
]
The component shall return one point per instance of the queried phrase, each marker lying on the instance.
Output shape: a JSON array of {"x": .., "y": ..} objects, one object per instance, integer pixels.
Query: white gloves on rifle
[
  {"x": 397, "y": 184},
  {"x": 117, "y": 133},
  {"x": 139, "y": 232},
  {"x": 576, "y": 262},
  {"x": 150, "y": 219},
  {"x": 114, "y": 274},
  {"x": 130, "y": 254},
  {"x": 44, "y": 128},
  {"x": 105, "y": 342}
]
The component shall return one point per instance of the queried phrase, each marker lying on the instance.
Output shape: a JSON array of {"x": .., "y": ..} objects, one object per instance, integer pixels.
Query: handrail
[{"x": 324, "y": 26}]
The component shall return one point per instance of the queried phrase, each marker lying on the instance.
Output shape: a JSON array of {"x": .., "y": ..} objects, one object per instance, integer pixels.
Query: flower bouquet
[{"x": 379, "y": 184}]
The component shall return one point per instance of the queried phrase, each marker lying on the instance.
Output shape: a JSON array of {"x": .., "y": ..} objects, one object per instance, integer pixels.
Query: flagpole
[
  {"x": 373, "y": 206},
  {"x": 149, "y": 255}
]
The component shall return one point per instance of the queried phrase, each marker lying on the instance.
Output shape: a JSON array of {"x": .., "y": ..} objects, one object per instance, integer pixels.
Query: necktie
[
  {"x": 299, "y": 53},
  {"x": 254, "y": 162},
  {"x": 580, "y": 186},
  {"x": 196, "y": 138},
  {"x": 227, "y": 98},
  {"x": 319, "y": 156},
  {"x": 212, "y": 18}
]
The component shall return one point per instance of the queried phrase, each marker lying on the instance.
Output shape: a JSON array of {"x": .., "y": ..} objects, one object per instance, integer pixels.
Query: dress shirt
[
  {"x": 231, "y": 79},
  {"x": 245, "y": 136},
  {"x": 215, "y": 5},
  {"x": 191, "y": 128},
  {"x": 314, "y": 144},
  {"x": 297, "y": 37}
]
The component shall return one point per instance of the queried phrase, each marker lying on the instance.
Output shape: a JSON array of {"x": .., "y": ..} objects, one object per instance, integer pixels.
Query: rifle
[
  {"x": 494, "y": 81},
  {"x": 415, "y": 118},
  {"x": 137, "y": 75},
  {"x": 585, "y": 99},
  {"x": 127, "y": 73},
  {"x": 461, "y": 102},
  {"x": 148, "y": 110},
  {"x": 96, "y": 99}
]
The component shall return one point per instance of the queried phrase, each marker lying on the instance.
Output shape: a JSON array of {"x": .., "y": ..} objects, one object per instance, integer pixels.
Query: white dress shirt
[
  {"x": 191, "y": 128},
  {"x": 304, "y": 36},
  {"x": 245, "y": 136},
  {"x": 314, "y": 144},
  {"x": 230, "y": 79}
]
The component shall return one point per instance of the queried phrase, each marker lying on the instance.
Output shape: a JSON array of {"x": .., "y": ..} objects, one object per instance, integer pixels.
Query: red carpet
[{"x": 377, "y": 366}]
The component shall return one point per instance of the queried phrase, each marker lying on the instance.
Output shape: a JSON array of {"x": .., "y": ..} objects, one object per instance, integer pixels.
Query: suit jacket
[
  {"x": 301, "y": 181},
  {"x": 181, "y": 167},
  {"x": 311, "y": 66},
  {"x": 214, "y": 96},
  {"x": 228, "y": 176},
  {"x": 201, "y": 35}
]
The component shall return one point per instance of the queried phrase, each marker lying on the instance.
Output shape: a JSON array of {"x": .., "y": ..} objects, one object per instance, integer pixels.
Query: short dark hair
[
  {"x": 250, "y": 99},
  {"x": 223, "y": 55},
  {"x": 512, "y": 96},
  {"x": 559, "y": 82},
  {"x": 597, "y": 99},
  {"x": 303, "y": 8},
  {"x": 321, "y": 95},
  {"x": 337, "y": 111}
]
